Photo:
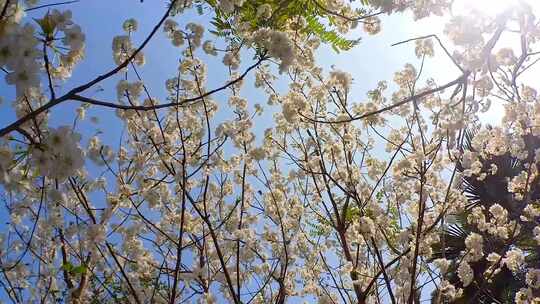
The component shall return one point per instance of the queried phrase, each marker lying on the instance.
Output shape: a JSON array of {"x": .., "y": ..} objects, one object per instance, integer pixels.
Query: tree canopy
[{"x": 119, "y": 188}]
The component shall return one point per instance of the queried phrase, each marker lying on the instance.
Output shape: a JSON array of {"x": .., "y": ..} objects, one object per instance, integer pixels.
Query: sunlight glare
[{"x": 486, "y": 7}]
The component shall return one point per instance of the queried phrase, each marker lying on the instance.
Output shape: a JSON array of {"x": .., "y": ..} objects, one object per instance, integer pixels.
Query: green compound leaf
[{"x": 338, "y": 42}]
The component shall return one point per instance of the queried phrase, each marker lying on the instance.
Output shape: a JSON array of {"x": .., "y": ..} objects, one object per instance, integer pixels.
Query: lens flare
[{"x": 486, "y": 7}]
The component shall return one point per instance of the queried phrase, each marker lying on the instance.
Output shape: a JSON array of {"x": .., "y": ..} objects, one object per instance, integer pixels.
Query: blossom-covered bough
[{"x": 401, "y": 197}]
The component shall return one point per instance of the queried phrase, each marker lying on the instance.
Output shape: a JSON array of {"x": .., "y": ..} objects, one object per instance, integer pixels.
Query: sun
[{"x": 486, "y": 7}]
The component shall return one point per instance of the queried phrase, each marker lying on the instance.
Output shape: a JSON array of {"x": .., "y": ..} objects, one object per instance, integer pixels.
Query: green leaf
[
  {"x": 47, "y": 24},
  {"x": 73, "y": 269},
  {"x": 67, "y": 266},
  {"x": 351, "y": 213},
  {"x": 79, "y": 269},
  {"x": 338, "y": 42},
  {"x": 282, "y": 13}
]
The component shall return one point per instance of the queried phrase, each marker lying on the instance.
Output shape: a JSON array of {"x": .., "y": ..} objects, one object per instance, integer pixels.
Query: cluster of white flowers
[
  {"x": 209, "y": 48},
  {"x": 133, "y": 90},
  {"x": 194, "y": 33},
  {"x": 292, "y": 106},
  {"x": 59, "y": 155},
  {"x": 406, "y": 77},
  {"x": 170, "y": 27},
  {"x": 69, "y": 54},
  {"x": 341, "y": 79},
  {"x": 228, "y": 6},
  {"x": 518, "y": 184},
  {"x": 123, "y": 48},
  {"x": 264, "y": 11},
  {"x": 19, "y": 55},
  {"x": 99, "y": 153},
  {"x": 474, "y": 243},
  {"x": 465, "y": 273},
  {"x": 536, "y": 234},
  {"x": 532, "y": 278},
  {"x": 278, "y": 44},
  {"x": 95, "y": 234},
  {"x": 464, "y": 31},
  {"x": 232, "y": 60},
  {"x": 258, "y": 153},
  {"x": 448, "y": 291},
  {"x": 5, "y": 163},
  {"x": 130, "y": 25},
  {"x": 372, "y": 25},
  {"x": 197, "y": 32},
  {"x": 498, "y": 224},
  {"x": 366, "y": 226},
  {"x": 13, "y": 11},
  {"x": 424, "y": 47},
  {"x": 525, "y": 296},
  {"x": 513, "y": 259}
]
